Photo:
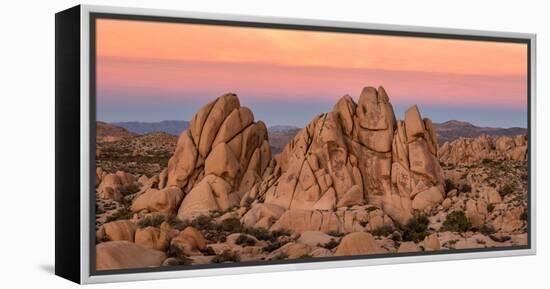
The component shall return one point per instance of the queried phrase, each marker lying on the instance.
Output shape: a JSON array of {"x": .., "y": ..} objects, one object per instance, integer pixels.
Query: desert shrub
[
  {"x": 153, "y": 220},
  {"x": 490, "y": 207},
  {"x": 449, "y": 185},
  {"x": 486, "y": 161},
  {"x": 330, "y": 244},
  {"x": 487, "y": 229},
  {"x": 457, "y": 221},
  {"x": 226, "y": 256},
  {"x": 259, "y": 233},
  {"x": 265, "y": 235},
  {"x": 280, "y": 232},
  {"x": 122, "y": 214},
  {"x": 244, "y": 240},
  {"x": 273, "y": 246},
  {"x": 129, "y": 189},
  {"x": 232, "y": 225},
  {"x": 524, "y": 216},
  {"x": 465, "y": 188},
  {"x": 208, "y": 251},
  {"x": 396, "y": 236},
  {"x": 506, "y": 190},
  {"x": 500, "y": 239},
  {"x": 336, "y": 234},
  {"x": 280, "y": 256},
  {"x": 174, "y": 251},
  {"x": 416, "y": 229},
  {"x": 370, "y": 209},
  {"x": 382, "y": 231},
  {"x": 178, "y": 261},
  {"x": 203, "y": 222},
  {"x": 248, "y": 202},
  {"x": 175, "y": 222}
]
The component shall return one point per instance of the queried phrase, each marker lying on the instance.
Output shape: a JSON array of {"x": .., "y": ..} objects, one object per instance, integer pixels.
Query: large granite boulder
[{"x": 126, "y": 255}]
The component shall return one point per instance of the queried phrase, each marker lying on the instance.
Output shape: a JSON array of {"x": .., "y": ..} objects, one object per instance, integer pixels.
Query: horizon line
[{"x": 294, "y": 126}]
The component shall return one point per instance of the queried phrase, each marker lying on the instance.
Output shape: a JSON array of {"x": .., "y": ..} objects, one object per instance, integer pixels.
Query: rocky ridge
[{"x": 484, "y": 147}]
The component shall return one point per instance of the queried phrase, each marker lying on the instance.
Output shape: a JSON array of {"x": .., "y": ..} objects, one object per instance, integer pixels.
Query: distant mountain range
[
  {"x": 282, "y": 134},
  {"x": 174, "y": 127},
  {"x": 453, "y": 129},
  {"x": 281, "y": 128}
]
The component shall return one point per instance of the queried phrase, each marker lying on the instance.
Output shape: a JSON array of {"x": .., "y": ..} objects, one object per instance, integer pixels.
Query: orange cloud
[{"x": 193, "y": 42}]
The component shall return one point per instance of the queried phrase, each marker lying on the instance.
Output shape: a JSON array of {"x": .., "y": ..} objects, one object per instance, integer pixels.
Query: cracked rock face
[{"x": 360, "y": 154}]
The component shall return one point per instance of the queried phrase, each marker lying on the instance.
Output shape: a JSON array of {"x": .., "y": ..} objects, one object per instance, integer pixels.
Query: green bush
[
  {"x": 457, "y": 221},
  {"x": 416, "y": 229}
]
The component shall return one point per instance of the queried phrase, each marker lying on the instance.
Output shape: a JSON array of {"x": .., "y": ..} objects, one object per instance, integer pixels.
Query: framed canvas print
[{"x": 192, "y": 144}]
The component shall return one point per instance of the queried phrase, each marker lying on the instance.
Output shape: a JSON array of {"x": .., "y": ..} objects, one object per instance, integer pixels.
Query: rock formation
[
  {"x": 474, "y": 150},
  {"x": 359, "y": 154},
  {"x": 358, "y": 243},
  {"x": 220, "y": 156},
  {"x": 115, "y": 186},
  {"x": 126, "y": 255}
]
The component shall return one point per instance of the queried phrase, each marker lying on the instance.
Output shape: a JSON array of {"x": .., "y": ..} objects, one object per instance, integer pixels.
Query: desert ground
[{"x": 354, "y": 181}]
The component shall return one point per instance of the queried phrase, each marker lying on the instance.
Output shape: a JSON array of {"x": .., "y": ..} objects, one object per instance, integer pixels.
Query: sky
[{"x": 153, "y": 71}]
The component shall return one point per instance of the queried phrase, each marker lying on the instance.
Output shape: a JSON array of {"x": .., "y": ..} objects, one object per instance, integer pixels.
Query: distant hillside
[
  {"x": 174, "y": 127},
  {"x": 152, "y": 151},
  {"x": 281, "y": 128},
  {"x": 280, "y": 135},
  {"x": 453, "y": 129},
  {"x": 107, "y": 132}
]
